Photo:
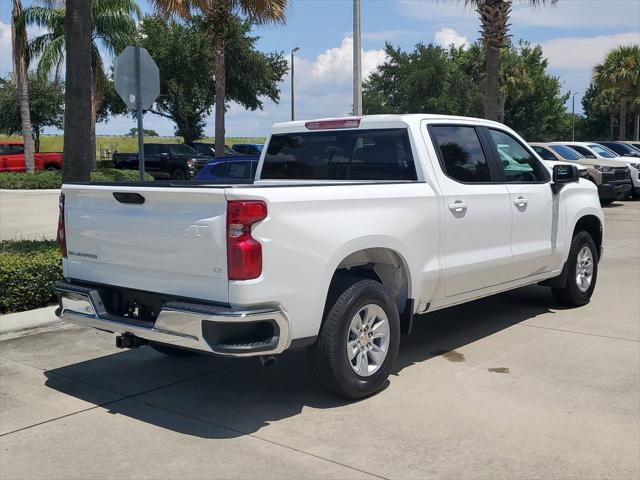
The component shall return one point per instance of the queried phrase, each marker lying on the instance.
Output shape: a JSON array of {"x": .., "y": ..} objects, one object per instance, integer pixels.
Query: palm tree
[
  {"x": 20, "y": 64},
  {"x": 494, "y": 19},
  {"x": 77, "y": 93},
  {"x": 218, "y": 14},
  {"x": 112, "y": 28},
  {"x": 620, "y": 71},
  {"x": 607, "y": 102}
]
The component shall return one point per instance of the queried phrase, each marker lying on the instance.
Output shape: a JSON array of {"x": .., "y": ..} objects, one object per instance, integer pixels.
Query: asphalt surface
[{"x": 512, "y": 386}]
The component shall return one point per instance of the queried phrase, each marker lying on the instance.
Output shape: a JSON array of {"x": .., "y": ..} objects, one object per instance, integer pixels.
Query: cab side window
[
  {"x": 461, "y": 152},
  {"x": 516, "y": 161}
]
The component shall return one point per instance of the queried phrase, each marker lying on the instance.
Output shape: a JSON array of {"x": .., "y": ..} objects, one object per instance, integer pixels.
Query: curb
[
  {"x": 14, "y": 322},
  {"x": 42, "y": 191}
]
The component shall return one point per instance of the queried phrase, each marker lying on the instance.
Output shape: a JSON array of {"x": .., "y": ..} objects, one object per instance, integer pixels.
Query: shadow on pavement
[{"x": 240, "y": 398}]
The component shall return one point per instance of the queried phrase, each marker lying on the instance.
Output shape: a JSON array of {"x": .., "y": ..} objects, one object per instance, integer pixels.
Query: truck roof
[{"x": 378, "y": 121}]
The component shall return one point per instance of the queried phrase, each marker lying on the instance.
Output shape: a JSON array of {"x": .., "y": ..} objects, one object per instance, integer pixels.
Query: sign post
[{"x": 137, "y": 81}]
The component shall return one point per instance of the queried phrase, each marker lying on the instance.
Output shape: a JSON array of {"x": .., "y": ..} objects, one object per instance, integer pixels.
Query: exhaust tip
[{"x": 268, "y": 361}]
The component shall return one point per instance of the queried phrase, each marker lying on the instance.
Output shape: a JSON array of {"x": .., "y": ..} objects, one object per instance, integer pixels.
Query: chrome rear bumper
[{"x": 179, "y": 324}]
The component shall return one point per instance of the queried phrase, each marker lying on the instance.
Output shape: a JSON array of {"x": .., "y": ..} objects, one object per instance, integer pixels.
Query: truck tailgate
[{"x": 173, "y": 243}]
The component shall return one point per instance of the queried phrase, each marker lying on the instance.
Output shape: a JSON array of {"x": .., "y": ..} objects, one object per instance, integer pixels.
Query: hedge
[
  {"x": 28, "y": 269},
  {"x": 53, "y": 179}
]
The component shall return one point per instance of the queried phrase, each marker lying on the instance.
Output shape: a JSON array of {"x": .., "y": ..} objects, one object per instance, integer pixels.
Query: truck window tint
[
  {"x": 517, "y": 163},
  {"x": 544, "y": 153},
  {"x": 219, "y": 170},
  {"x": 584, "y": 151},
  {"x": 462, "y": 153},
  {"x": 239, "y": 170},
  {"x": 566, "y": 152},
  {"x": 380, "y": 154}
]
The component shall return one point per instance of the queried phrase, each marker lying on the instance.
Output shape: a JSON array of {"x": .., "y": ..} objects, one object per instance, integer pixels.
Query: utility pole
[
  {"x": 357, "y": 61},
  {"x": 573, "y": 117},
  {"x": 293, "y": 108}
]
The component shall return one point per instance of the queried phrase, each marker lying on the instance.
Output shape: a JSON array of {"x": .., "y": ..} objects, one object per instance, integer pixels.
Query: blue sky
[{"x": 574, "y": 34}]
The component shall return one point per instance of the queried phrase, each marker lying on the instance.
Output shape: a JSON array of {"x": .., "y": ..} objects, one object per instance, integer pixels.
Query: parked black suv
[{"x": 165, "y": 161}]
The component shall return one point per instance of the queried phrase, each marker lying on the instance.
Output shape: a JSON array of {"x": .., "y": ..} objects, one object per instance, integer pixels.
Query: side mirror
[{"x": 565, "y": 174}]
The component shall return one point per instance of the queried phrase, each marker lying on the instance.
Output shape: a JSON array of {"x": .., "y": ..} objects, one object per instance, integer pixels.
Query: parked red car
[{"x": 12, "y": 158}]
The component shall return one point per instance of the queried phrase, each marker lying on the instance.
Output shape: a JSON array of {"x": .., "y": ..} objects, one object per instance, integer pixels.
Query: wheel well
[
  {"x": 51, "y": 166},
  {"x": 381, "y": 264},
  {"x": 590, "y": 224}
]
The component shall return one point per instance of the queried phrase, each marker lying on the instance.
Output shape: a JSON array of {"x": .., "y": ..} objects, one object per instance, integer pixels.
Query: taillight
[
  {"x": 62, "y": 235},
  {"x": 244, "y": 253}
]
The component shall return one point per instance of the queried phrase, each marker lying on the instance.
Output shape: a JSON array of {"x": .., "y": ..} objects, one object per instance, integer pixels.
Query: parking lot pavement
[{"x": 512, "y": 386}]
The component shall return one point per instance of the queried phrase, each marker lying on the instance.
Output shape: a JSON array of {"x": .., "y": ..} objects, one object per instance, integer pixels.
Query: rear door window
[
  {"x": 461, "y": 152},
  {"x": 372, "y": 154}
]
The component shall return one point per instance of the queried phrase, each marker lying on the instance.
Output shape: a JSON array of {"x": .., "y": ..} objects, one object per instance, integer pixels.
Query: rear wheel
[
  {"x": 582, "y": 268},
  {"x": 178, "y": 174},
  {"x": 608, "y": 201},
  {"x": 172, "y": 351},
  {"x": 358, "y": 342}
]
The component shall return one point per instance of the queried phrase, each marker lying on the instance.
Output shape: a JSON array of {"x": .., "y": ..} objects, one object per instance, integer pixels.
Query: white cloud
[
  {"x": 336, "y": 64},
  {"x": 583, "y": 53},
  {"x": 446, "y": 37}
]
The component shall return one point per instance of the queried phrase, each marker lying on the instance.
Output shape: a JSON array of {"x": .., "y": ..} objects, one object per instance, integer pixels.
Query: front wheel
[
  {"x": 178, "y": 174},
  {"x": 358, "y": 342},
  {"x": 582, "y": 272}
]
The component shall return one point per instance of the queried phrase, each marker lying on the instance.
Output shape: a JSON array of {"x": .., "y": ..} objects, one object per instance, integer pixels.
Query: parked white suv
[{"x": 352, "y": 227}]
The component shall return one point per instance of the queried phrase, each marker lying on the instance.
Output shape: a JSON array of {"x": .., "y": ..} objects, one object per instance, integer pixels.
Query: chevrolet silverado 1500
[{"x": 351, "y": 227}]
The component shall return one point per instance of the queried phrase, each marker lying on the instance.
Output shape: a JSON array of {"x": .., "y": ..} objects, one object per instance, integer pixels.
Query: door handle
[
  {"x": 458, "y": 206},
  {"x": 521, "y": 202}
]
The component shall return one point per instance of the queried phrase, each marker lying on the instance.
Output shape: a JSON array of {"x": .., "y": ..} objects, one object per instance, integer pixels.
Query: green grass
[{"x": 107, "y": 144}]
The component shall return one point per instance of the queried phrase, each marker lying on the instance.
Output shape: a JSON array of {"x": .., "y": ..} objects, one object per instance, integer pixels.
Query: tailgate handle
[{"x": 128, "y": 197}]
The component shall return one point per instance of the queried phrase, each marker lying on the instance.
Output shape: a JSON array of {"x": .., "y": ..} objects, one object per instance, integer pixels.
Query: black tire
[
  {"x": 178, "y": 174},
  {"x": 172, "y": 351},
  {"x": 608, "y": 201},
  {"x": 328, "y": 358},
  {"x": 571, "y": 294}
]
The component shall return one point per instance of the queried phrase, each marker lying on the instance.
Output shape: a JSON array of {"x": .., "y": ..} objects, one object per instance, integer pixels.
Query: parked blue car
[{"x": 229, "y": 168}]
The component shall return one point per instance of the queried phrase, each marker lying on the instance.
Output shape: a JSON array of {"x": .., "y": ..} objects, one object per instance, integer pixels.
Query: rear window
[{"x": 377, "y": 154}]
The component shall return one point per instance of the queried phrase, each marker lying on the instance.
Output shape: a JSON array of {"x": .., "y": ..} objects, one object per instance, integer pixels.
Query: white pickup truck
[{"x": 351, "y": 228}]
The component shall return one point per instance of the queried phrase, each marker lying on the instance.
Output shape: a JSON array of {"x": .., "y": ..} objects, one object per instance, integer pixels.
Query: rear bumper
[{"x": 180, "y": 324}]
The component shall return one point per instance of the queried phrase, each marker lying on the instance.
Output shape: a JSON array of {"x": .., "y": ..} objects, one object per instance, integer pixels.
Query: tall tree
[
  {"x": 187, "y": 93},
  {"x": 112, "y": 28},
  {"x": 20, "y": 54},
  {"x": 620, "y": 71},
  {"x": 78, "y": 147},
  {"x": 219, "y": 15},
  {"x": 46, "y": 105},
  {"x": 494, "y": 19}
]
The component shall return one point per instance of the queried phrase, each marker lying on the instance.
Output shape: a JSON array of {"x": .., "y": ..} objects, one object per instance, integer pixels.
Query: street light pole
[
  {"x": 357, "y": 61},
  {"x": 573, "y": 117},
  {"x": 293, "y": 108}
]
